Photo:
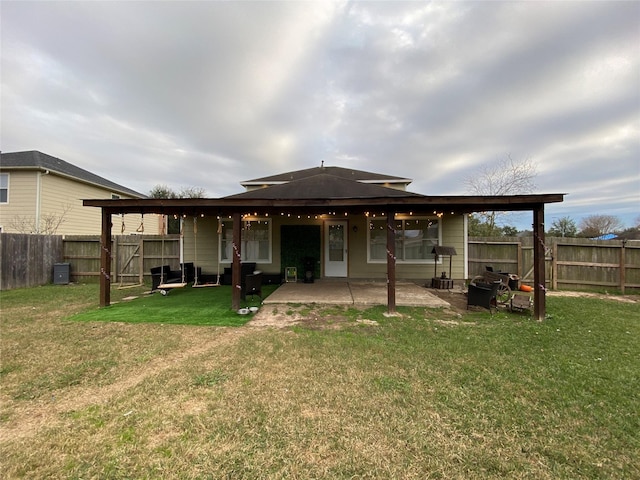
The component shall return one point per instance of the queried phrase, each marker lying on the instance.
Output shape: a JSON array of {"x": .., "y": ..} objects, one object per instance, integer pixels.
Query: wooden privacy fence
[
  {"x": 27, "y": 260},
  {"x": 132, "y": 256},
  {"x": 570, "y": 263}
]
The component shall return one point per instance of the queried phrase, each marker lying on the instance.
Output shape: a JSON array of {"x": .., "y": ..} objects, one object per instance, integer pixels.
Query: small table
[{"x": 441, "y": 283}]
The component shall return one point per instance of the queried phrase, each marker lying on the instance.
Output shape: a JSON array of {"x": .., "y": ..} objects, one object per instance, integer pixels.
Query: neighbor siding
[
  {"x": 60, "y": 193},
  {"x": 22, "y": 200}
]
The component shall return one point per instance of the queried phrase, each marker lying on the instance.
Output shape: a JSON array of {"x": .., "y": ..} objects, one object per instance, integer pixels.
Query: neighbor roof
[
  {"x": 346, "y": 173},
  {"x": 34, "y": 160},
  {"x": 323, "y": 186}
]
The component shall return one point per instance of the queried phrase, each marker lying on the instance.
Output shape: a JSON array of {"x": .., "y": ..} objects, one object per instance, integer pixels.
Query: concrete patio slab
[{"x": 354, "y": 293}]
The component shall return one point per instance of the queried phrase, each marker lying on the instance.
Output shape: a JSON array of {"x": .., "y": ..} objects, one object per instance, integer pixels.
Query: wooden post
[
  {"x": 623, "y": 266},
  {"x": 105, "y": 259},
  {"x": 236, "y": 268},
  {"x": 539, "y": 289},
  {"x": 391, "y": 264}
]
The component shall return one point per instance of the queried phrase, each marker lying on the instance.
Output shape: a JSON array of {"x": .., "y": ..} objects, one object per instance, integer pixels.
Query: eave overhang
[{"x": 424, "y": 204}]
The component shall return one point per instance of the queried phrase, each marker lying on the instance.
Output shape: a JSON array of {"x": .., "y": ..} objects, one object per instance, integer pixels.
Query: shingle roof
[
  {"x": 347, "y": 173},
  {"x": 323, "y": 186},
  {"x": 41, "y": 161}
]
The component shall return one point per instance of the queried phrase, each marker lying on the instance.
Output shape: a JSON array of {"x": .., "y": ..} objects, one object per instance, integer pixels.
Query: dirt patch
[
  {"x": 601, "y": 296},
  {"x": 283, "y": 316}
]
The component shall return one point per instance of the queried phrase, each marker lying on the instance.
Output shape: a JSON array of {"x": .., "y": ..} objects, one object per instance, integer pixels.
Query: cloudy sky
[{"x": 207, "y": 94}]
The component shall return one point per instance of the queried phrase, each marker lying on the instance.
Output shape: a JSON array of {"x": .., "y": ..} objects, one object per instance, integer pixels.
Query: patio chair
[
  {"x": 482, "y": 295},
  {"x": 252, "y": 286}
]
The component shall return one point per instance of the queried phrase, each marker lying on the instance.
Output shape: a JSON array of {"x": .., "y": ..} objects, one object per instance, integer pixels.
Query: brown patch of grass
[{"x": 427, "y": 395}]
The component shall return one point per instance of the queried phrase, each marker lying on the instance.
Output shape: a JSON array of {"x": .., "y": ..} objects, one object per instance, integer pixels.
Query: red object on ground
[{"x": 526, "y": 288}]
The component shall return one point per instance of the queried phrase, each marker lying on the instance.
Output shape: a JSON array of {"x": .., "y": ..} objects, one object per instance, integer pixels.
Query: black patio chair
[
  {"x": 252, "y": 286},
  {"x": 482, "y": 295}
]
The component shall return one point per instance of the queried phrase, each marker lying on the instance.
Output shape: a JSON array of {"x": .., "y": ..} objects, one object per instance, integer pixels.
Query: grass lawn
[
  {"x": 431, "y": 394},
  {"x": 182, "y": 306}
]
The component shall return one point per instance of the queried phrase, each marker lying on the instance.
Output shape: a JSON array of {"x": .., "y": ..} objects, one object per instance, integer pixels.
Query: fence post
[
  {"x": 623, "y": 266},
  {"x": 554, "y": 265},
  {"x": 519, "y": 268}
]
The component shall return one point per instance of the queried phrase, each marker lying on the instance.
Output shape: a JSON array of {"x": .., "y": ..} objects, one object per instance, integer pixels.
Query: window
[
  {"x": 415, "y": 238},
  {"x": 4, "y": 188},
  {"x": 115, "y": 196},
  {"x": 255, "y": 241}
]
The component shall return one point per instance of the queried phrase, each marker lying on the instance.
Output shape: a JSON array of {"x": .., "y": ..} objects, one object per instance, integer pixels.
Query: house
[
  {"x": 344, "y": 222},
  {"x": 43, "y": 194},
  {"x": 348, "y": 242}
]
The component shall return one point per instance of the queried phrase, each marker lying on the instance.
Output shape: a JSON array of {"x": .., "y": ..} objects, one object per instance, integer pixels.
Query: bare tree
[
  {"x": 597, "y": 225},
  {"x": 502, "y": 177},
  {"x": 191, "y": 192},
  {"x": 49, "y": 222}
]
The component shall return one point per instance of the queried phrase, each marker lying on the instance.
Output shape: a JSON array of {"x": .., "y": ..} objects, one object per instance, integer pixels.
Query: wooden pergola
[{"x": 236, "y": 208}]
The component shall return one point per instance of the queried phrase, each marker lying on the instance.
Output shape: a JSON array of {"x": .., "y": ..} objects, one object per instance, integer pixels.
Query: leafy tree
[
  {"x": 163, "y": 191},
  {"x": 509, "y": 231},
  {"x": 502, "y": 177},
  {"x": 563, "y": 227},
  {"x": 597, "y": 225}
]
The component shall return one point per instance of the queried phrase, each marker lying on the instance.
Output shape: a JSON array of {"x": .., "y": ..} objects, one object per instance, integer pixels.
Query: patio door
[{"x": 335, "y": 249}]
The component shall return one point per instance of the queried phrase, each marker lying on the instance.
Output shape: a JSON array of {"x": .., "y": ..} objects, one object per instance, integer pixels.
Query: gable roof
[
  {"x": 346, "y": 173},
  {"x": 34, "y": 160},
  {"x": 323, "y": 186}
]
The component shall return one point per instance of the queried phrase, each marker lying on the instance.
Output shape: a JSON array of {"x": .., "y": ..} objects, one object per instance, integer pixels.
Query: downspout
[{"x": 38, "y": 200}]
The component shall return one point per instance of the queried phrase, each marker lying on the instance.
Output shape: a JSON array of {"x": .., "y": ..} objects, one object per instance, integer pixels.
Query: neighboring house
[
  {"x": 43, "y": 194},
  {"x": 341, "y": 243}
]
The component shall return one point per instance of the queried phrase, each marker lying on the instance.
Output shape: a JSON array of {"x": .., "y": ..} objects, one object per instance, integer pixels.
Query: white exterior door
[{"x": 335, "y": 249}]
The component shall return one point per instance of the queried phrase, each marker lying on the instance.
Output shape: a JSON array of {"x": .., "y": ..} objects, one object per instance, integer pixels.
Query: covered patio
[
  {"x": 388, "y": 206},
  {"x": 353, "y": 292}
]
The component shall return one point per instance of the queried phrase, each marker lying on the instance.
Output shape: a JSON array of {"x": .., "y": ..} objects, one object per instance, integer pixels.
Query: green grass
[
  {"x": 430, "y": 394},
  {"x": 182, "y": 306}
]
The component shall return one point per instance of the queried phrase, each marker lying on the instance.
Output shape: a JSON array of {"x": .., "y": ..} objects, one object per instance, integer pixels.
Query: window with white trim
[
  {"x": 415, "y": 239},
  {"x": 4, "y": 188},
  {"x": 255, "y": 241}
]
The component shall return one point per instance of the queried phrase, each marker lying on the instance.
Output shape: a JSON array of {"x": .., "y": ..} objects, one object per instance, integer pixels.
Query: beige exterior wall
[
  {"x": 21, "y": 207},
  {"x": 35, "y": 198},
  {"x": 203, "y": 249}
]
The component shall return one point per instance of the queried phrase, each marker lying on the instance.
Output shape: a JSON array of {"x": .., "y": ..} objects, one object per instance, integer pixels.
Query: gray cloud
[{"x": 210, "y": 93}]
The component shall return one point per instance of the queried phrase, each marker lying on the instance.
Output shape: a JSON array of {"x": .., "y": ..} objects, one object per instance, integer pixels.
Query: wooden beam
[
  {"x": 391, "y": 264},
  {"x": 105, "y": 259},
  {"x": 236, "y": 268},
  {"x": 539, "y": 288}
]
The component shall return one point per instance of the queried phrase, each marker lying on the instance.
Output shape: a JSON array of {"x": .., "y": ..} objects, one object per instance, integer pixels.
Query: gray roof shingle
[
  {"x": 41, "y": 161},
  {"x": 346, "y": 173},
  {"x": 323, "y": 186}
]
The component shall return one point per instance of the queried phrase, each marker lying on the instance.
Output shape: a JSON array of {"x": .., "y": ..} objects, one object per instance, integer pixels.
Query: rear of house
[{"x": 334, "y": 244}]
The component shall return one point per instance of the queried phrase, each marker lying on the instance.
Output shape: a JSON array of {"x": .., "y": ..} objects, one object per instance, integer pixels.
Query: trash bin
[
  {"x": 514, "y": 282},
  {"x": 61, "y": 273},
  {"x": 309, "y": 264}
]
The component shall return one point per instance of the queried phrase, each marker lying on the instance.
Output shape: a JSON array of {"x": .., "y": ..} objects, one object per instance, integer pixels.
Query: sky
[{"x": 208, "y": 94}]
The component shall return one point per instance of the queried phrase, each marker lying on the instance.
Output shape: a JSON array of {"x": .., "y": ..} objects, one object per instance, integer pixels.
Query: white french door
[{"x": 335, "y": 249}]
